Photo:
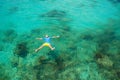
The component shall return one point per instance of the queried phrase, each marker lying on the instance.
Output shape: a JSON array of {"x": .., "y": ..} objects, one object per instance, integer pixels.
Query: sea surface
[{"x": 84, "y": 33}]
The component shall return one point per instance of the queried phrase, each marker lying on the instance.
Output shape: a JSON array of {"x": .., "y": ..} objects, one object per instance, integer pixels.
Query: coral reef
[
  {"x": 108, "y": 36},
  {"x": 67, "y": 62},
  {"x": 105, "y": 61},
  {"x": 52, "y": 69},
  {"x": 107, "y": 50},
  {"x": 90, "y": 54},
  {"x": 44, "y": 69}
]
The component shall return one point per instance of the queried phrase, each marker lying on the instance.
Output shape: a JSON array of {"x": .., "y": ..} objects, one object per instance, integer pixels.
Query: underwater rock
[
  {"x": 61, "y": 67},
  {"x": 13, "y": 10},
  {"x": 42, "y": 0},
  {"x": 43, "y": 60},
  {"x": 21, "y": 49},
  {"x": 1, "y": 47},
  {"x": 9, "y": 32},
  {"x": 105, "y": 61},
  {"x": 69, "y": 73},
  {"x": 14, "y": 61},
  {"x": 72, "y": 47},
  {"x": 59, "y": 63},
  {"x": 65, "y": 20},
  {"x": 103, "y": 48},
  {"x": 53, "y": 54},
  {"x": 98, "y": 55},
  {"x": 118, "y": 73},
  {"x": 45, "y": 71},
  {"x": 48, "y": 69},
  {"x": 36, "y": 31},
  {"x": 10, "y": 35},
  {"x": 115, "y": 1},
  {"x": 54, "y": 14},
  {"x": 3, "y": 73},
  {"x": 109, "y": 74},
  {"x": 108, "y": 36},
  {"x": 87, "y": 37},
  {"x": 66, "y": 28},
  {"x": 15, "y": 64}
]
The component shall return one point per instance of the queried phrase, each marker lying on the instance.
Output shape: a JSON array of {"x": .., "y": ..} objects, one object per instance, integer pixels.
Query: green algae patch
[{"x": 3, "y": 73}]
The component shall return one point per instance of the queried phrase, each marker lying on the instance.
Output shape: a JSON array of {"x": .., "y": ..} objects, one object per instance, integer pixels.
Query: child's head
[{"x": 46, "y": 36}]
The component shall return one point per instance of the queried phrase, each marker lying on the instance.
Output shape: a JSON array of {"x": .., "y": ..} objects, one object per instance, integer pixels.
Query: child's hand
[
  {"x": 39, "y": 38},
  {"x": 57, "y": 36}
]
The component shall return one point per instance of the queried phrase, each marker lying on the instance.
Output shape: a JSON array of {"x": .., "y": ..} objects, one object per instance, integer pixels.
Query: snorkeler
[{"x": 47, "y": 42}]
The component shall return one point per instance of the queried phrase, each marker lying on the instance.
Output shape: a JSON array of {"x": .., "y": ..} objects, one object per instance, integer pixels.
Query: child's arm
[
  {"x": 39, "y": 38},
  {"x": 55, "y": 36}
]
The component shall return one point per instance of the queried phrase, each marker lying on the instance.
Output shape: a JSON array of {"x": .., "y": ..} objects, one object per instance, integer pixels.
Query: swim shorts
[{"x": 46, "y": 44}]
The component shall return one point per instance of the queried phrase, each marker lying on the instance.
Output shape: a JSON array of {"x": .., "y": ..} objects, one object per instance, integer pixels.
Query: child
[{"x": 47, "y": 42}]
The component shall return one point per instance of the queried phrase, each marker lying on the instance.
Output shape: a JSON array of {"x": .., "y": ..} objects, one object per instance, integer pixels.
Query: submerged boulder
[
  {"x": 4, "y": 75},
  {"x": 54, "y": 13},
  {"x": 13, "y": 9},
  {"x": 115, "y": 1},
  {"x": 98, "y": 56},
  {"x": 10, "y": 35},
  {"x": 21, "y": 49},
  {"x": 1, "y": 47}
]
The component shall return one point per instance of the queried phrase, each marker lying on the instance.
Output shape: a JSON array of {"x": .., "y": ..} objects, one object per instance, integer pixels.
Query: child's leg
[
  {"x": 52, "y": 48},
  {"x": 36, "y": 50}
]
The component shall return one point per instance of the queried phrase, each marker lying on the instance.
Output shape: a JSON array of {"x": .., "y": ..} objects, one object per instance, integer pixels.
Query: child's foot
[
  {"x": 53, "y": 48},
  {"x": 36, "y": 50}
]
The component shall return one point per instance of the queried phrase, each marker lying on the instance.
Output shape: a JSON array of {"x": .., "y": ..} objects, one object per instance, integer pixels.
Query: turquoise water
[{"x": 87, "y": 49}]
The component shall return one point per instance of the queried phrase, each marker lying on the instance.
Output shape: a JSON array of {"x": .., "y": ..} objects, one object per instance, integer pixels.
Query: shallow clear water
[{"x": 87, "y": 49}]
